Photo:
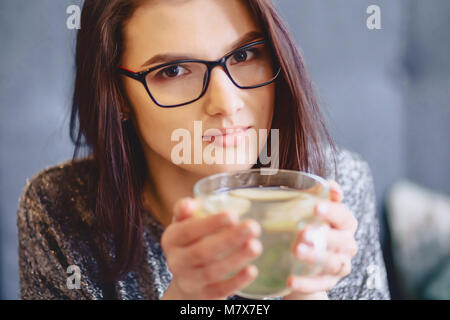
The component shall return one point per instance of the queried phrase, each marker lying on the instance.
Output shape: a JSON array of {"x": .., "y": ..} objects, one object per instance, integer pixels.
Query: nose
[{"x": 224, "y": 96}]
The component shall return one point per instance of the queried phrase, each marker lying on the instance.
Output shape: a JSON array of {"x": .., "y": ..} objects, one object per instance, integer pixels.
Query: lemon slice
[
  {"x": 288, "y": 215},
  {"x": 265, "y": 194},
  {"x": 279, "y": 226},
  {"x": 222, "y": 202}
]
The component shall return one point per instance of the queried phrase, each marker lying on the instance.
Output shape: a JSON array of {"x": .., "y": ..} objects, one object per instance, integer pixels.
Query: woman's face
[{"x": 200, "y": 29}]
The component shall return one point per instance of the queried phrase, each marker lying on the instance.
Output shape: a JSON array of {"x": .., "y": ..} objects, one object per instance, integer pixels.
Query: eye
[
  {"x": 243, "y": 55},
  {"x": 171, "y": 72}
]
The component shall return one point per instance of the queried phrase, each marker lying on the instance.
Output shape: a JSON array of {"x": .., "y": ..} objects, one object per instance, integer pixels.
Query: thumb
[{"x": 183, "y": 209}]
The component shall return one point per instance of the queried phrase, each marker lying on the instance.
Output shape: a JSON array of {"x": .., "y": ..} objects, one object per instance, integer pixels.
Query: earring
[{"x": 124, "y": 116}]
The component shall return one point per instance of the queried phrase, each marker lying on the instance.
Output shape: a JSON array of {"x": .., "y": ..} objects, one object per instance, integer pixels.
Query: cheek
[
  {"x": 154, "y": 125},
  {"x": 260, "y": 105}
]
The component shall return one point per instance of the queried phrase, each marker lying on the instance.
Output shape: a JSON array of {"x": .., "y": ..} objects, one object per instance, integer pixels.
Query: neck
[{"x": 166, "y": 184}]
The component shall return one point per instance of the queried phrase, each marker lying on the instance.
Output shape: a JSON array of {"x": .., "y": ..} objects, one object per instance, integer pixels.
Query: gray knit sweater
[{"x": 50, "y": 241}]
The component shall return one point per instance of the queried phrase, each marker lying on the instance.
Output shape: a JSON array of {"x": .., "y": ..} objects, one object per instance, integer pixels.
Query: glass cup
[{"x": 283, "y": 202}]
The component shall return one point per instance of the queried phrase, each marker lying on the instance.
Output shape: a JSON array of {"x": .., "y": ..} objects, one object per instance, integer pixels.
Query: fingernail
[
  {"x": 234, "y": 217},
  {"x": 338, "y": 195},
  {"x": 322, "y": 208},
  {"x": 256, "y": 229},
  {"x": 246, "y": 229},
  {"x": 191, "y": 204},
  {"x": 309, "y": 236},
  {"x": 250, "y": 229},
  {"x": 255, "y": 246},
  {"x": 294, "y": 283},
  {"x": 302, "y": 249},
  {"x": 252, "y": 270}
]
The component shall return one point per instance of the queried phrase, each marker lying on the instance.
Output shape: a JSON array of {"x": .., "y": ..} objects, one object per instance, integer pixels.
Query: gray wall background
[{"x": 385, "y": 92}]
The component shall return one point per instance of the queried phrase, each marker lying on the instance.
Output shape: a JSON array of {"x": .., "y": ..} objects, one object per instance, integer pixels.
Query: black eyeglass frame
[{"x": 140, "y": 76}]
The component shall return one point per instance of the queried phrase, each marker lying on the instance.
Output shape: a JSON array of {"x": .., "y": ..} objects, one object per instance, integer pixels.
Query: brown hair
[{"x": 120, "y": 167}]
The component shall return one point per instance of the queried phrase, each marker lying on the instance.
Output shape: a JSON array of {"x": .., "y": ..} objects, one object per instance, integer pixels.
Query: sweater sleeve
[
  {"x": 45, "y": 272},
  {"x": 368, "y": 279}
]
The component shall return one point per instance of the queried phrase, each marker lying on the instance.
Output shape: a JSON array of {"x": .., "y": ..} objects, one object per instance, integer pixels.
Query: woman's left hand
[{"x": 341, "y": 248}]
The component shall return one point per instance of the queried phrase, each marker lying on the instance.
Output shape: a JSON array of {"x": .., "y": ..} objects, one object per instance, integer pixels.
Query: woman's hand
[
  {"x": 200, "y": 252},
  {"x": 341, "y": 248}
]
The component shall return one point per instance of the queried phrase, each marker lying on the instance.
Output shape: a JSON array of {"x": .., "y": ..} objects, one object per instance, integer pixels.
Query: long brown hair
[{"x": 120, "y": 167}]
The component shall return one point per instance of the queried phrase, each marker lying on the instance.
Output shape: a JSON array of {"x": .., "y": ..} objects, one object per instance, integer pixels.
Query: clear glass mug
[{"x": 283, "y": 202}]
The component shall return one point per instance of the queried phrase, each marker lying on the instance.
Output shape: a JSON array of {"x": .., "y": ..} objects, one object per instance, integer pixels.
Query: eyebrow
[{"x": 166, "y": 57}]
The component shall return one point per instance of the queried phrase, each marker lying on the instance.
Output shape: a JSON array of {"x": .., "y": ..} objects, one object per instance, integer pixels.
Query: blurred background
[{"x": 385, "y": 93}]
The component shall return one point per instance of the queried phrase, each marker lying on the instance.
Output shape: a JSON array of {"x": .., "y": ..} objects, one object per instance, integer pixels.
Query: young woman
[{"x": 119, "y": 224}]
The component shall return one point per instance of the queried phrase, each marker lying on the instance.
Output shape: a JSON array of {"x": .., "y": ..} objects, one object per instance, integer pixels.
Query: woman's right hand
[{"x": 200, "y": 252}]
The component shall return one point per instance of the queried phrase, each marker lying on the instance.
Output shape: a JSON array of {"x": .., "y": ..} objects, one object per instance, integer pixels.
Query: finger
[
  {"x": 313, "y": 284},
  {"x": 183, "y": 209},
  {"x": 217, "y": 270},
  {"x": 335, "y": 191},
  {"x": 189, "y": 230},
  {"x": 337, "y": 215},
  {"x": 337, "y": 240},
  {"x": 335, "y": 264},
  {"x": 312, "y": 235},
  {"x": 217, "y": 245},
  {"x": 341, "y": 242},
  {"x": 228, "y": 287}
]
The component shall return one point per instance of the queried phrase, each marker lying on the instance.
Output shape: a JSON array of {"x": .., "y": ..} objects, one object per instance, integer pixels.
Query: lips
[
  {"x": 229, "y": 137},
  {"x": 229, "y": 131}
]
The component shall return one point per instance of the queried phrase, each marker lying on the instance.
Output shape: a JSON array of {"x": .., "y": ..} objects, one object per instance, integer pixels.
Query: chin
[{"x": 210, "y": 169}]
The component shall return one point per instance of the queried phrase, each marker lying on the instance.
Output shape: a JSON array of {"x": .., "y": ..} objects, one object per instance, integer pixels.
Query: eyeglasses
[{"x": 177, "y": 83}]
